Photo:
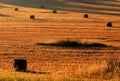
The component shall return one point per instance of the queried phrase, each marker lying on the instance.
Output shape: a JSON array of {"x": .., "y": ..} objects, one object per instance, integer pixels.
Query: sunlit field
[{"x": 20, "y": 35}]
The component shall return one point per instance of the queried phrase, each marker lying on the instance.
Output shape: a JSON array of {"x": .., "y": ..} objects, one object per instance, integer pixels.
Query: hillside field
[{"x": 19, "y": 36}]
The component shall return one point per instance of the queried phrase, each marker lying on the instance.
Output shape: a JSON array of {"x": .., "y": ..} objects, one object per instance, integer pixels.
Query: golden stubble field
[{"x": 19, "y": 35}]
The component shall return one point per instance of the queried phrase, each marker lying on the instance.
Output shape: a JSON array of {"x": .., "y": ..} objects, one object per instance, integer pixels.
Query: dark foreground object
[{"x": 20, "y": 65}]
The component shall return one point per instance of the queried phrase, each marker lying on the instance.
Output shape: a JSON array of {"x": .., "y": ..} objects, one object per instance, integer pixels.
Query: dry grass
[
  {"x": 19, "y": 34},
  {"x": 97, "y": 71}
]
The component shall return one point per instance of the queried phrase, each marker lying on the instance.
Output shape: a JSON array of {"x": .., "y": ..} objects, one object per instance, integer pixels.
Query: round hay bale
[
  {"x": 85, "y": 15},
  {"x": 42, "y": 6},
  {"x": 32, "y": 17},
  {"x": 109, "y": 24},
  {"x": 54, "y": 11},
  {"x": 16, "y": 9}
]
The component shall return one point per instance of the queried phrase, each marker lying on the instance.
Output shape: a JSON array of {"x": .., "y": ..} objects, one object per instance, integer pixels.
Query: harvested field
[{"x": 19, "y": 35}]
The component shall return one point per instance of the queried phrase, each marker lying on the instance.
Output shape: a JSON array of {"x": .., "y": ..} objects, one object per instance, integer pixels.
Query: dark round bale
[
  {"x": 16, "y": 9},
  {"x": 85, "y": 15},
  {"x": 32, "y": 17},
  {"x": 20, "y": 65},
  {"x": 109, "y": 24},
  {"x": 54, "y": 11},
  {"x": 42, "y": 6}
]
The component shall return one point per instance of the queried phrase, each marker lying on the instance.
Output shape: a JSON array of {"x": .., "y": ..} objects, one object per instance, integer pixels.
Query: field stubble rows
[{"x": 19, "y": 35}]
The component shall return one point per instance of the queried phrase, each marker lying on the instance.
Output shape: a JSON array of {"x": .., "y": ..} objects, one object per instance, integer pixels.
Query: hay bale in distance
[
  {"x": 85, "y": 15},
  {"x": 109, "y": 24},
  {"x": 54, "y": 11},
  {"x": 20, "y": 65},
  {"x": 42, "y": 6},
  {"x": 16, "y": 9},
  {"x": 32, "y": 17}
]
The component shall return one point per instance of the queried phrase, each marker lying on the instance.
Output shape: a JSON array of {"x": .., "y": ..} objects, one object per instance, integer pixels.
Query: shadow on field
[
  {"x": 78, "y": 45},
  {"x": 2, "y": 15},
  {"x": 23, "y": 11},
  {"x": 3, "y": 7},
  {"x": 84, "y": 6},
  {"x": 96, "y": 2},
  {"x": 34, "y": 72}
]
